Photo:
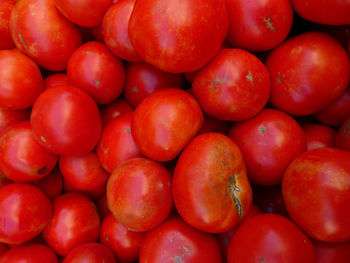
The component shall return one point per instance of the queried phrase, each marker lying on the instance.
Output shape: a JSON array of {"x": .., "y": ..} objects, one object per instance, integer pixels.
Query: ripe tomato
[
  {"x": 90, "y": 253},
  {"x": 24, "y": 212},
  {"x": 319, "y": 136},
  {"x": 139, "y": 194},
  {"x": 315, "y": 190},
  {"x": 178, "y": 36},
  {"x": 114, "y": 109},
  {"x": 270, "y": 238},
  {"x": 10, "y": 117},
  {"x": 54, "y": 80},
  {"x": 6, "y": 7},
  {"x": 211, "y": 190},
  {"x": 51, "y": 184},
  {"x": 3, "y": 249},
  {"x": 66, "y": 121},
  {"x": 328, "y": 252},
  {"x": 343, "y": 136},
  {"x": 102, "y": 206}
]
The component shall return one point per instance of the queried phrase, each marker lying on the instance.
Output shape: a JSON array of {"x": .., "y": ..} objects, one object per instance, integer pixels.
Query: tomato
[
  {"x": 332, "y": 252},
  {"x": 102, "y": 206},
  {"x": 40, "y": 31},
  {"x": 211, "y": 190},
  {"x": 4, "y": 180},
  {"x": 10, "y": 117},
  {"x": 3, "y": 249},
  {"x": 86, "y": 13},
  {"x": 270, "y": 238},
  {"x": 124, "y": 243},
  {"x": 22, "y": 159},
  {"x": 335, "y": 12},
  {"x": 269, "y": 142},
  {"x": 225, "y": 86},
  {"x": 18, "y": 90},
  {"x": 24, "y": 212},
  {"x": 306, "y": 89},
  {"x": 143, "y": 79},
  {"x": 315, "y": 189},
  {"x": 93, "y": 193},
  {"x": 29, "y": 253},
  {"x": 139, "y": 194},
  {"x": 114, "y": 109},
  {"x": 90, "y": 253},
  {"x": 95, "y": 70},
  {"x": 343, "y": 136},
  {"x": 51, "y": 184},
  {"x": 115, "y": 28},
  {"x": 319, "y": 136},
  {"x": 211, "y": 124},
  {"x": 75, "y": 221},
  {"x": 178, "y": 36},
  {"x": 164, "y": 122},
  {"x": 66, "y": 121},
  {"x": 117, "y": 144},
  {"x": 175, "y": 241},
  {"x": 6, "y": 7},
  {"x": 259, "y": 25},
  {"x": 54, "y": 80}
]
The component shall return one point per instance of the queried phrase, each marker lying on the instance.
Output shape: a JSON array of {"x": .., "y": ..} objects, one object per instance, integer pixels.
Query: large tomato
[
  {"x": 90, "y": 253},
  {"x": 332, "y": 252},
  {"x": 6, "y": 7}
]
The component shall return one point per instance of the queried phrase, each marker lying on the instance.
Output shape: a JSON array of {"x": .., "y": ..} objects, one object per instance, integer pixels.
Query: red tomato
[
  {"x": 225, "y": 86},
  {"x": 54, "y": 80},
  {"x": 22, "y": 159},
  {"x": 259, "y": 25},
  {"x": 319, "y": 136},
  {"x": 214, "y": 125},
  {"x": 29, "y": 253},
  {"x": 75, "y": 221},
  {"x": 175, "y": 241},
  {"x": 66, "y": 121},
  {"x": 113, "y": 110},
  {"x": 343, "y": 136},
  {"x": 51, "y": 184},
  {"x": 178, "y": 36},
  {"x": 302, "y": 80},
  {"x": 4, "y": 180},
  {"x": 90, "y": 253},
  {"x": 139, "y": 194},
  {"x": 40, "y": 31},
  {"x": 10, "y": 117},
  {"x": 270, "y": 238},
  {"x": 115, "y": 28},
  {"x": 335, "y": 12},
  {"x": 102, "y": 206},
  {"x": 6, "y": 7},
  {"x": 117, "y": 144},
  {"x": 143, "y": 79},
  {"x": 269, "y": 142},
  {"x": 86, "y": 13},
  {"x": 3, "y": 249},
  {"x": 164, "y": 122},
  {"x": 332, "y": 252},
  {"x": 18, "y": 91},
  {"x": 95, "y": 70},
  {"x": 124, "y": 243},
  {"x": 93, "y": 193},
  {"x": 24, "y": 212},
  {"x": 211, "y": 190},
  {"x": 315, "y": 190}
]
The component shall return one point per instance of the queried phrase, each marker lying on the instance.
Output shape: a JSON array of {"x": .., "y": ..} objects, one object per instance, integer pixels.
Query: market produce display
[{"x": 174, "y": 131}]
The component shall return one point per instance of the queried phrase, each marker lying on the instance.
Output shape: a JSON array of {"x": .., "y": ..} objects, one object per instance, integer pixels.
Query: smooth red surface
[
  {"x": 342, "y": 139},
  {"x": 319, "y": 136},
  {"x": 114, "y": 109},
  {"x": 102, "y": 206},
  {"x": 54, "y": 80},
  {"x": 3, "y": 249},
  {"x": 10, "y": 117},
  {"x": 6, "y": 7},
  {"x": 315, "y": 190},
  {"x": 90, "y": 253},
  {"x": 328, "y": 252},
  {"x": 51, "y": 184}
]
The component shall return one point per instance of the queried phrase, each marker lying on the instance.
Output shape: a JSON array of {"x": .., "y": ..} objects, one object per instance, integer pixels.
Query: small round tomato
[
  {"x": 319, "y": 136},
  {"x": 330, "y": 252},
  {"x": 18, "y": 91},
  {"x": 90, "y": 253},
  {"x": 211, "y": 190},
  {"x": 66, "y": 121},
  {"x": 113, "y": 110},
  {"x": 164, "y": 122},
  {"x": 124, "y": 243},
  {"x": 139, "y": 194},
  {"x": 315, "y": 189},
  {"x": 75, "y": 221},
  {"x": 225, "y": 86},
  {"x": 175, "y": 241},
  {"x": 6, "y": 7},
  {"x": 54, "y": 80},
  {"x": 24, "y": 212},
  {"x": 10, "y": 117},
  {"x": 51, "y": 184},
  {"x": 342, "y": 139},
  {"x": 270, "y": 238}
]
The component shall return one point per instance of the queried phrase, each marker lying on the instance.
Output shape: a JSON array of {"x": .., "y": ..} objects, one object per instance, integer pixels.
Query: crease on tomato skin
[{"x": 232, "y": 188}]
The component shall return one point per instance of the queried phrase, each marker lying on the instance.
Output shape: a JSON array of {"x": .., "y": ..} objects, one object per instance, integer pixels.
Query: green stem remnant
[{"x": 232, "y": 188}]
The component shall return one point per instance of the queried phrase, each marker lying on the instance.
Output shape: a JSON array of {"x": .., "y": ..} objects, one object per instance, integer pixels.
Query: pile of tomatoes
[{"x": 180, "y": 131}]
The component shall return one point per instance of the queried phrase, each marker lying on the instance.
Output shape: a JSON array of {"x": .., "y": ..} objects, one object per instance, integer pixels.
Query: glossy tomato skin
[
  {"x": 87, "y": 13},
  {"x": 114, "y": 109},
  {"x": 51, "y": 184},
  {"x": 96, "y": 71},
  {"x": 319, "y": 136},
  {"x": 18, "y": 91},
  {"x": 124, "y": 243},
  {"x": 90, "y": 253},
  {"x": 10, "y": 117},
  {"x": 22, "y": 159},
  {"x": 54, "y": 80},
  {"x": 164, "y": 122},
  {"x": 139, "y": 194},
  {"x": 264, "y": 140},
  {"x": 6, "y": 7},
  {"x": 176, "y": 241},
  {"x": 40, "y": 31},
  {"x": 30, "y": 253},
  {"x": 328, "y": 252},
  {"x": 210, "y": 188},
  {"x": 75, "y": 221},
  {"x": 258, "y": 25},
  {"x": 178, "y": 36},
  {"x": 225, "y": 86},
  {"x": 309, "y": 187},
  {"x": 115, "y": 28},
  {"x": 142, "y": 79},
  {"x": 302, "y": 78},
  {"x": 335, "y": 12},
  {"x": 102, "y": 206},
  {"x": 270, "y": 238},
  {"x": 33, "y": 212},
  {"x": 66, "y": 121},
  {"x": 342, "y": 139},
  {"x": 117, "y": 144}
]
